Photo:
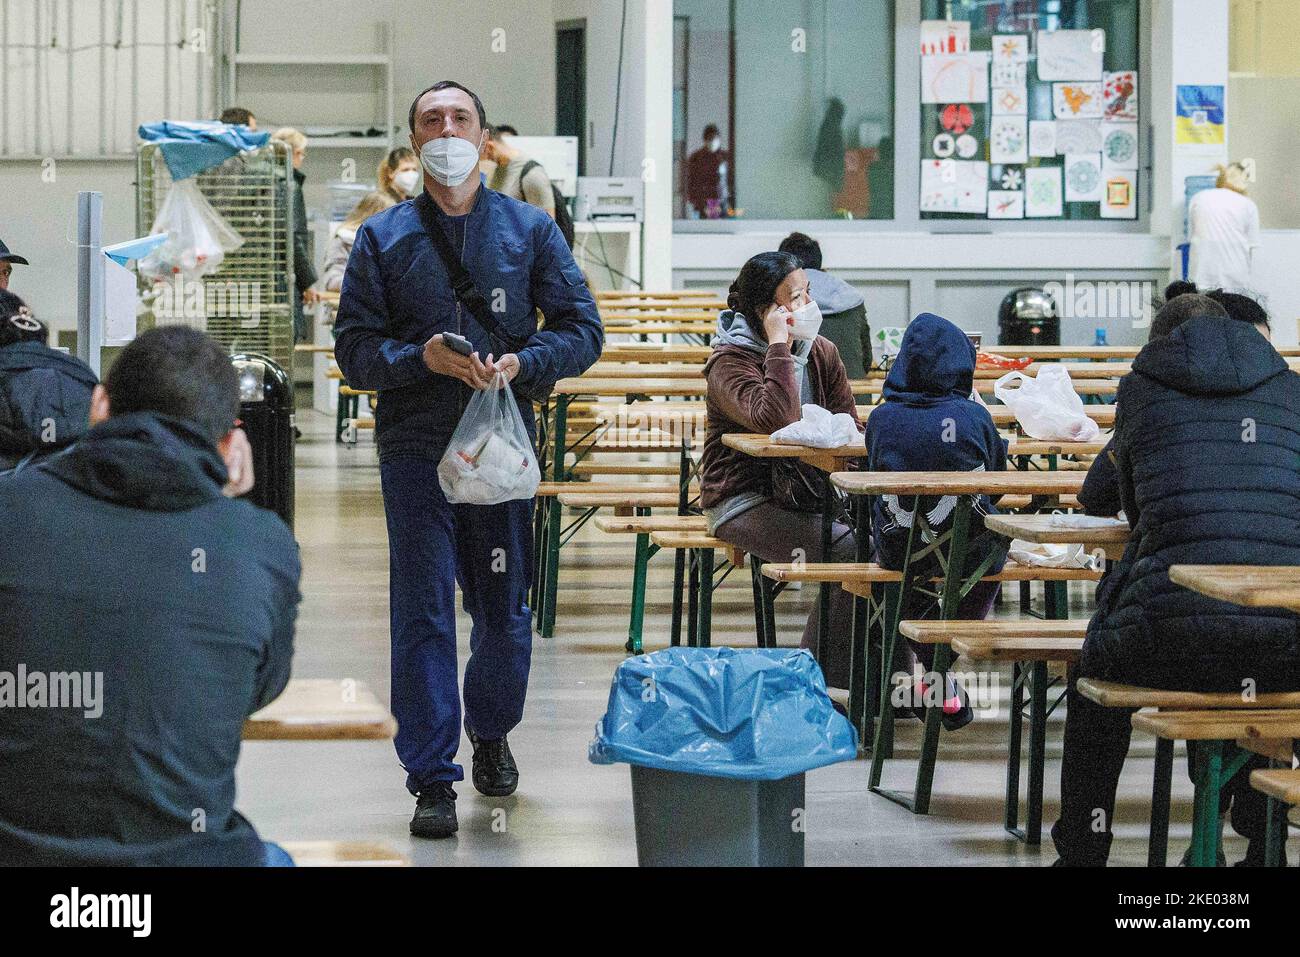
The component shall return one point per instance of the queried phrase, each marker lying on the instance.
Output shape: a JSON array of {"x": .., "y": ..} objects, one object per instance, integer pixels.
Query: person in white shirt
[{"x": 1224, "y": 227}]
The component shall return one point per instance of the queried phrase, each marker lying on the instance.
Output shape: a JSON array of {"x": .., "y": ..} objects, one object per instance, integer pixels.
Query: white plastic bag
[
  {"x": 198, "y": 238},
  {"x": 490, "y": 459},
  {"x": 821, "y": 430},
  {"x": 1047, "y": 407},
  {"x": 1040, "y": 555}
]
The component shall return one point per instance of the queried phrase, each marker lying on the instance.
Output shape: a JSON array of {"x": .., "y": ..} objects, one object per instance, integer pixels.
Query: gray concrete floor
[{"x": 568, "y": 811}]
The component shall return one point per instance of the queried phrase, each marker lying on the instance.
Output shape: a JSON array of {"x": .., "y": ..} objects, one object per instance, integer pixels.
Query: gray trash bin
[{"x": 719, "y": 740}]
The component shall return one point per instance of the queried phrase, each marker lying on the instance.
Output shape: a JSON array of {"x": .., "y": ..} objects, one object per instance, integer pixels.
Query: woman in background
[
  {"x": 1223, "y": 227},
  {"x": 399, "y": 175},
  {"x": 303, "y": 274},
  {"x": 336, "y": 259}
]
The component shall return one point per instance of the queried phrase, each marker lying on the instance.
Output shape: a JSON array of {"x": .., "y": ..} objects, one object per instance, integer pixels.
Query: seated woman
[
  {"x": 44, "y": 393},
  {"x": 767, "y": 362},
  {"x": 336, "y": 257}
]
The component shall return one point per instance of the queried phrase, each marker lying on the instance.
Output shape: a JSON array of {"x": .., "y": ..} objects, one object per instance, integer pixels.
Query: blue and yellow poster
[{"x": 1199, "y": 115}]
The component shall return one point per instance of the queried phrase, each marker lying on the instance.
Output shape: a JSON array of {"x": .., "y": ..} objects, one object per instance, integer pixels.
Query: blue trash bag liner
[
  {"x": 189, "y": 148},
  {"x": 751, "y": 714}
]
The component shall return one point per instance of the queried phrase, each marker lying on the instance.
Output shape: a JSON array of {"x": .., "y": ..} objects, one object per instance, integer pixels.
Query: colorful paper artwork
[
  {"x": 1119, "y": 195},
  {"x": 1010, "y": 48},
  {"x": 956, "y": 118},
  {"x": 1076, "y": 101},
  {"x": 967, "y": 146},
  {"x": 1008, "y": 139},
  {"x": 954, "y": 186},
  {"x": 1071, "y": 54},
  {"x": 1119, "y": 94},
  {"x": 1043, "y": 192},
  {"x": 1078, "y": 136},
  {"x": 1042, "y": 138},
  {"x": 1013, "y": 178},
  {"x": 1014, "y": 100},
  {"x": 1006, "y": 204},
  {"x": 1083, "y": 181},
  {"x": 955, "y": 78},
  {"x": 944, "y": 36},
  {"x": 944, "y": 145},
  {"x": 1119, "y": 145},
  {"x": 1008, "y": 74}
]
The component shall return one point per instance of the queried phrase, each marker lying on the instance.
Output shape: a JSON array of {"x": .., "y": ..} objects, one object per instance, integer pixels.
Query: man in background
[
  {"x": 516, "y": 174},
  {"x": 7, "y": 260},
  {"x": 239, "y": 116},
  {"x": 706, "y": 176},
  {"x": 844, "y": 312}
]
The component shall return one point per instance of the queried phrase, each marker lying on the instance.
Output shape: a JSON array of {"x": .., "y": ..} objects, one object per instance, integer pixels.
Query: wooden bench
[
  {"x": 1282, "y": 787},
  {"x": 642, "y": 526},
  {"x": 1112, "y": 694},
  {"x": 314, "y": 709},
  {"x": 625, "y": 468},
  {"x": 1024, "y": 641},
  {"x": 852, "y": 575},
  {"x": 1215, "y": 758},
  {"x": 343, "y": 854}
]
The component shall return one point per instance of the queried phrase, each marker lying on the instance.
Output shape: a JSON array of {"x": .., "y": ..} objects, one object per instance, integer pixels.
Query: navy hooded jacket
[
  {"x": 1207, "y": 442},
  {"x": 44, "y": 400},
  {"x": 397, "y": 295},
  {"x": 928, "y": 422},
  {"x": 121, "y": 557}
]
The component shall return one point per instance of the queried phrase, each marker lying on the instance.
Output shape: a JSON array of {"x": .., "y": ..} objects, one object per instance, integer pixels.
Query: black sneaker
[
  {"x": 435, "y": 812},
  {"x": 495, "y": 773}
]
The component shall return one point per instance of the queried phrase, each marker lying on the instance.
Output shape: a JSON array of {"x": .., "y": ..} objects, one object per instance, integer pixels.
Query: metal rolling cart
[{"x": 251, "y": 191}]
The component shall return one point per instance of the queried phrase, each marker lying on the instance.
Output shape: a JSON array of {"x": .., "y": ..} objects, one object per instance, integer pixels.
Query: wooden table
[
  {"x": 1039, "y": 529},
  {"x": 1254, "y": 586},
  {"x": 654, "y": 352},
  {"x": 1103, "y": 415},
  {"x": 313, "y": 709}
]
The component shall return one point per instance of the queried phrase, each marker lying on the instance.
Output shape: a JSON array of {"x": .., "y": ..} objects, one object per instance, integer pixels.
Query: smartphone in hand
[{"x": 457, "y": 343}]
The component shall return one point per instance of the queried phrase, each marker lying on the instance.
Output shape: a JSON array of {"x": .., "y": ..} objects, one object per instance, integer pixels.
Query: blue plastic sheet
[
  {"x": 751, "y": 714},
  {"x": 190, "y": 148}
]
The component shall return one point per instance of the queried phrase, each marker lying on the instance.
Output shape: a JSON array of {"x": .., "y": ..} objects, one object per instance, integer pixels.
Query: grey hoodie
[{"x": 831, "y": 293}]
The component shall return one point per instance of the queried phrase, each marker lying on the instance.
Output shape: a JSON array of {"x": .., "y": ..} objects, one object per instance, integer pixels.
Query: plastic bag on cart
[
  {"x": 1047, "y": 407},
  {"x": 491, "y": 458},
  {"x": 198, "y": 238}
]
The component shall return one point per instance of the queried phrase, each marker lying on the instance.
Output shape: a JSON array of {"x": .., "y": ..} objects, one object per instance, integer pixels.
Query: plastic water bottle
[{"x": 1100, "y": 340}]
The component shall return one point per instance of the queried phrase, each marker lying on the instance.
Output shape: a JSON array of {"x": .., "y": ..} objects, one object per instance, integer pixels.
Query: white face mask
[
  {"x": 807, "y": 321},
  {"x": 715, "y": 144},
  {"x": 449, "y": 159},
  {"x": 408, "y": 181}
]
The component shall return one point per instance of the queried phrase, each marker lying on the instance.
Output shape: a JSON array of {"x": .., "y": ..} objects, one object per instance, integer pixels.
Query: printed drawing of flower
[{"x": 1011, "y": 179}]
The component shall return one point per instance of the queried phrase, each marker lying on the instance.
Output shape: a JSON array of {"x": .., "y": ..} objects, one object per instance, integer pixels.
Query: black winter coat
[
  {"x": 120, "y": 557},
  {"x": 44, "y": 400},
  {"x": 1207, "y": 444}
]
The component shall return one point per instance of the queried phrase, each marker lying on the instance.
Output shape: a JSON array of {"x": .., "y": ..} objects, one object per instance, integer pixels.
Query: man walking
[{"x": 397, "y": 302}]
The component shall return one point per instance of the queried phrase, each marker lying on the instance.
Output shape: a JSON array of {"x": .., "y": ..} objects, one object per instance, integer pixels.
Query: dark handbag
[
  {"x": 463, "y": 286},
  {"x": 798, "y": 486}
]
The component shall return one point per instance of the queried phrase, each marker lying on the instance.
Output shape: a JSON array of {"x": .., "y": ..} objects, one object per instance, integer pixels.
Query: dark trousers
[
  {"x": 432, "y": 546},
  {"x": 1096, "y": 744}
]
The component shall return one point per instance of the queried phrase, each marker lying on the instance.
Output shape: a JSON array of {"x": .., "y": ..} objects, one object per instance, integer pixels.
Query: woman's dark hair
[
  {"x": 1241, "y": 308},
  {"x": 396, "y": 156},
  {"x": 1190, "y": 305},
  {"x": 755, "y": 288},
  {"x": 17, "y": 324},
  {"x": 1179, "y": 287}
]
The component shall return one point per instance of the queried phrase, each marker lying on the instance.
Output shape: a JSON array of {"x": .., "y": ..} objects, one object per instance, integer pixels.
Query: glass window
[
  {"x": 1029, "y": 110},
  {"x": 783, "y": 111}
]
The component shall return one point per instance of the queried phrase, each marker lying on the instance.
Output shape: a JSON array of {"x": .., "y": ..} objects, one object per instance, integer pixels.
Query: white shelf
[{"x": 311, "y": 59}]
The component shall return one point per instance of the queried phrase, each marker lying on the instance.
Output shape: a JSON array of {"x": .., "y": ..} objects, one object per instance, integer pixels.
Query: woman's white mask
[
  {"x": 807, "y": 321},
  {"x": 408, "y": 181}
]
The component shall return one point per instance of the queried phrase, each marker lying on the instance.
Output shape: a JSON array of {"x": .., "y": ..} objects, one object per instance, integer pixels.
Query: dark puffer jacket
[
  {"x": 1208, "y": 452},
  {"x": 44, "y": 400}
]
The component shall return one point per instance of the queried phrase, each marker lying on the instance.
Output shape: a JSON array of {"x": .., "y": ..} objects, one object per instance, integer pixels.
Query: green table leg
[
  {"x": 824, "y": 589},
  {"x": 1162, "y": 784},
  {"x": 705, "y": 629},
  {"x": 550, "y": 586},
  {"x": 1012, "y": 806},
  {"x": 756, "y": 582},
  {"x": 638, "y": 593}
]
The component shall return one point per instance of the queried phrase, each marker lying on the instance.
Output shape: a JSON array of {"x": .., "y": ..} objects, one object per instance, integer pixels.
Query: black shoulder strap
[
  {"x": 528, "y": 168},
  {"x": 461, "y": 282}
]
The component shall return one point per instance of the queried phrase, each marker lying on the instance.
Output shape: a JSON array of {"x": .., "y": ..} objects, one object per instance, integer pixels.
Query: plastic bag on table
[
  {"x": 198, "y": 238},
  {"x": 1039, "y": 555},
  {"x": 820, "y": 429},
  {"x": 1047, "y": 407},
  {"x": 491, "y": 458}
]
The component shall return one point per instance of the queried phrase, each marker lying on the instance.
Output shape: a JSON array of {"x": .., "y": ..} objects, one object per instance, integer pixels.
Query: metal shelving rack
[{"x": 251, "y": 192}]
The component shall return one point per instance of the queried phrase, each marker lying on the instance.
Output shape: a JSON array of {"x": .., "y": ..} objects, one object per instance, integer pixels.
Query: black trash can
[
  {"x": 266, "y": 409},
  {"x": 1028, "y": 317}
]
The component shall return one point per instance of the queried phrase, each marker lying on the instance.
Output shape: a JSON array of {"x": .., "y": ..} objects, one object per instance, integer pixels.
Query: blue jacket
[
  {"x": 44, "y": 400},
  {"x": 928, "y": 422},
  {"x": 186, "y": 651},
  {"x": 396, "y": 295}
]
